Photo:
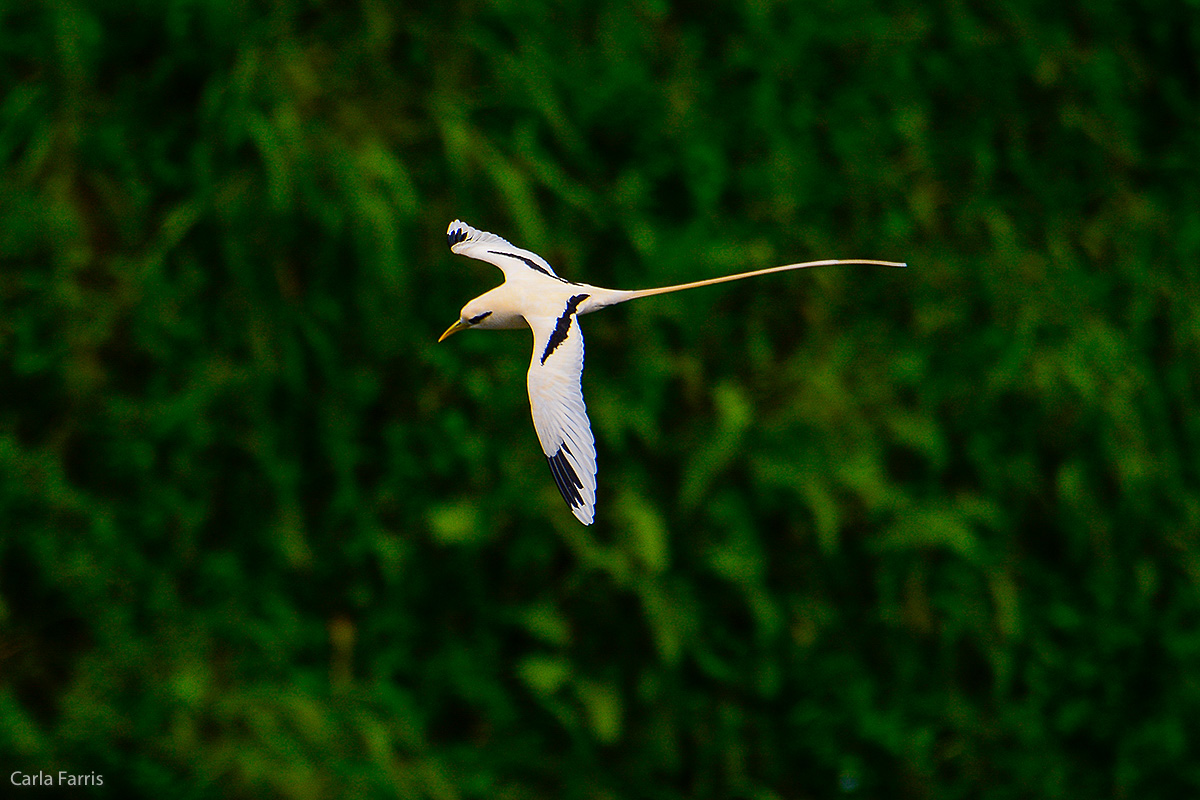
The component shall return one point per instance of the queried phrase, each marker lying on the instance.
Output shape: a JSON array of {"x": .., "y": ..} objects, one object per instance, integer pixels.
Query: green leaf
[
  {"x": 545, "y": 675},
  {"x": 456, "y": 523}
]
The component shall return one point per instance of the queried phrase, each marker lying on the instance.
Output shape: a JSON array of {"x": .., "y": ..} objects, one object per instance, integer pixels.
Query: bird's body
[{"x": 533, "y": 295}]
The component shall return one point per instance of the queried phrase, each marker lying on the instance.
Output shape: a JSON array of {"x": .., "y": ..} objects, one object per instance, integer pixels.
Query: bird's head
[{"x": 472, "y": 314}]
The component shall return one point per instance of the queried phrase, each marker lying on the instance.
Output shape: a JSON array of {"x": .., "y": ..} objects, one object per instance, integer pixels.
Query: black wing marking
[
  {"x": 564, "y": 475},
  {"x": 457, "y": 236},
  {"x": 562, "y": 326},
  {"x": 532, "y": 265}
]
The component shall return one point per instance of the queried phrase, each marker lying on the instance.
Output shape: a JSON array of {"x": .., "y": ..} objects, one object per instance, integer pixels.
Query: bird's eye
[{"x": 479, "y": 318}]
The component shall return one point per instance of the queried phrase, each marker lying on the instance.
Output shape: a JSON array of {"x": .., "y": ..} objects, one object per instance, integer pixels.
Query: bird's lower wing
[{"x": 559, "y": 414}]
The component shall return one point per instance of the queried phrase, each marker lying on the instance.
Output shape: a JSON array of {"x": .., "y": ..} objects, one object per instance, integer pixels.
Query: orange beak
[{"x": 453, "y": 329}]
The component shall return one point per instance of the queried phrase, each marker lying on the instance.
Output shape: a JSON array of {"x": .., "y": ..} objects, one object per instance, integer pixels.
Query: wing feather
[
  {"x": 489, "y": 247},
  {"x": 559, "y": 413}
]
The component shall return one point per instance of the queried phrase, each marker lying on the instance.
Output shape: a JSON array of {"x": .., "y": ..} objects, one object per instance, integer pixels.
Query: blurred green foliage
[{"x": 931, "y": 533}]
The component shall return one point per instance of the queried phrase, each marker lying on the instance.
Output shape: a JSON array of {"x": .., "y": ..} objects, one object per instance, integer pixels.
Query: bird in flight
[{"x": 534, "y": 295}]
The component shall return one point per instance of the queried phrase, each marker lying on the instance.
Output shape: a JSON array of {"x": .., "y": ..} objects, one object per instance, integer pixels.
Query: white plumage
[{"x": 534, "y": 295}]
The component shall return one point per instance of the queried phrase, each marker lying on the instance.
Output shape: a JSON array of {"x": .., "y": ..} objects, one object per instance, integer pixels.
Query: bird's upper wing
[
  {"x": 489, "y": 247},
  {"x": 559, "y": 414}
]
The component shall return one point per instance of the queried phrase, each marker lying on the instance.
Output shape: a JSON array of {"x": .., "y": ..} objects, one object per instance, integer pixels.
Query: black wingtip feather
[
  {"x": 456, "y": 236},
  {"x": 564, "y": 475}
]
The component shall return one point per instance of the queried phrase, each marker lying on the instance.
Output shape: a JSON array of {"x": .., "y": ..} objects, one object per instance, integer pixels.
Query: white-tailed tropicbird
[{"x": 533, "y": 295}]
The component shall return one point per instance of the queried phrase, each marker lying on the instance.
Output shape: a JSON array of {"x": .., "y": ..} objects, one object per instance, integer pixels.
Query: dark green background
[{"x": 924, "y": 533}]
